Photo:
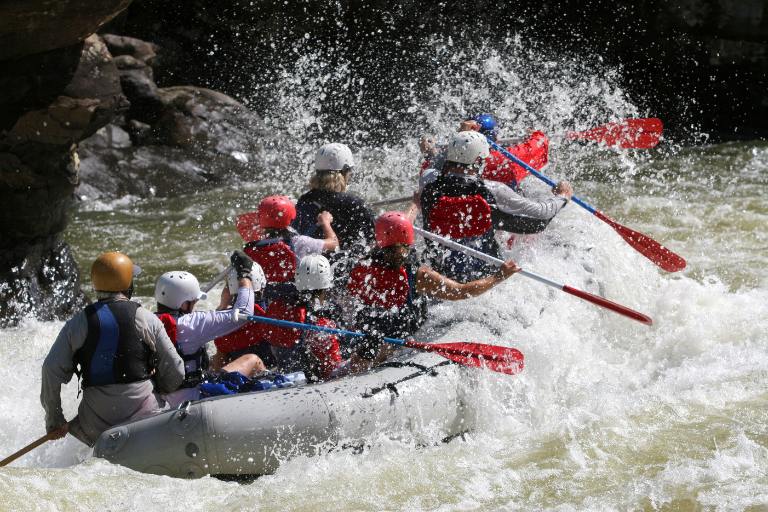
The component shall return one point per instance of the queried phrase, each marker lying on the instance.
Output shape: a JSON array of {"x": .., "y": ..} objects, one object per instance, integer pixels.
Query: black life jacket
[
  {"x": 461, "y": 208},
  {"x": 114, "y": 352},
  {"x": 352, "y": 219},
  {"x": 388, "y": 302},
  {"x": 200, "y": 357}
]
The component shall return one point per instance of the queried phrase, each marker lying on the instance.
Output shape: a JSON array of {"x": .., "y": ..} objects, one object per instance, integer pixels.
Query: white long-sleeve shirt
[{"x": 194, "y": 330}]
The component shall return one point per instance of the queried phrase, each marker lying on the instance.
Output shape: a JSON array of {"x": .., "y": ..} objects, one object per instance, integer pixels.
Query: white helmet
[
  {"x": 313, "y": 273},
  {"x": 467, "y": 147},
  {"x": 258, "y": 279},
  {"x": 175, "y": 288},
  {"x": 334, "y": 157}
]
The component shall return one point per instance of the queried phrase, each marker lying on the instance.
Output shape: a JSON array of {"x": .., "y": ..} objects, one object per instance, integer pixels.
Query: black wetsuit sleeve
[
  {"x": 358, "y": 224},
  {"x": 305, "y": 222},
  {"x": 519, "y": 224}
]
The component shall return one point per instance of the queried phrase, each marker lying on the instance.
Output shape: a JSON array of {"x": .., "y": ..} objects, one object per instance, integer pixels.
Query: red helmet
[
  {"x": 276, "y": 212},
  {"x": 393, "y": 228}
]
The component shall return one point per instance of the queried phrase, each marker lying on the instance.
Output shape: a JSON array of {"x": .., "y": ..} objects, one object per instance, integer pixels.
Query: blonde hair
[{"x": 328, "y": 181}]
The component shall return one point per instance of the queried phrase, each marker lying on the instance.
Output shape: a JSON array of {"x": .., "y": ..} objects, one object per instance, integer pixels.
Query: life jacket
[
  {"x": 534, "y": 151},
  {"x": 352, "y": 219},
  {"x": 284, "y": 337},
  {"x": 114, "y": 352},
  {"x": 323, "y": 350},
  {"x": 192, "y": 377},
  {"x": 276, "y": 257},
  {"x": 250, "y": 334},
  {"x": 306, "y": 218},
  {"x": 461, "y": 208},
  {"x": 389, "y": 304}
]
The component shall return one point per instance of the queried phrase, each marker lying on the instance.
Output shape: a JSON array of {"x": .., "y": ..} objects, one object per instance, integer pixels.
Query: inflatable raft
[{"x": 420, "y": 395}]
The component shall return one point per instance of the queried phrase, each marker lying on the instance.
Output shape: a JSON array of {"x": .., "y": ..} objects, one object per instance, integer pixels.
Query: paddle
[
  {"x": 31, "y": 446},
  {"x": 643, "y": 244},
  {"x": 637, "y": 133},
  {"x": 217, "y": 278},
  {"x": 479, "y": 355},
  {"x": 594, "y": 299},
  {"x": 386, "y": 202}
]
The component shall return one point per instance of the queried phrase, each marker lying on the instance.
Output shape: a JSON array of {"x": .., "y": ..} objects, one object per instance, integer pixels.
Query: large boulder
[
  {"x": 33, "y": 26},
  {"x": 58, "y": 86}
]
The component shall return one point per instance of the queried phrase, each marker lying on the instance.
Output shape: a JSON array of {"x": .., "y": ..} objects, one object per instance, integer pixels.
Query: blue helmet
[{"x": 487, "y": 125}]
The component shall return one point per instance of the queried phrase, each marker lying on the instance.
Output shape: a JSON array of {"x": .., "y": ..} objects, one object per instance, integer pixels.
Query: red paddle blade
[
  {"x": 247, "y": 225},
  {"x": 609, "y": 304},
  {"x": 642, "y": 133},
  {"x": 478, "y": 355},
  {"x": 646, "y": 245}
]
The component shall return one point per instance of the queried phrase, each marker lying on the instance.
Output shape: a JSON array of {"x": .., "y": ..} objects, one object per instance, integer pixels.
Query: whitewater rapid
[{"x": 609, "y": 414}]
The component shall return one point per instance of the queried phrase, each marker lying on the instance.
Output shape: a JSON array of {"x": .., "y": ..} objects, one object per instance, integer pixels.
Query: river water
[{"x": 608, "y": 414}]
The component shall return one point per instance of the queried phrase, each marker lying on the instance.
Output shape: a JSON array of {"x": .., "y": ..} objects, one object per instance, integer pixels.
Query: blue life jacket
[{"x": 114, "y": 352}]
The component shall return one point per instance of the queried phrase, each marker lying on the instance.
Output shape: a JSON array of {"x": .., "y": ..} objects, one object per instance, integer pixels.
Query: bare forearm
[
  {"x": 330, "y": 240},
  {"x": 437, "y": 285}
]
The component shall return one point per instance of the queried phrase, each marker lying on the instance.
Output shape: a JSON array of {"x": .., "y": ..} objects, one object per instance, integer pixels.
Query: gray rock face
[
  {"x": 33, "y": 26},
  {"x": 58, "y": 86},
  {"x": 179, "y": 138}
]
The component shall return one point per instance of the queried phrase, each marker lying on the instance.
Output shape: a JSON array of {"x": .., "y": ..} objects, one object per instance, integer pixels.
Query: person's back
[
  {"x": 121, "y": 352},
  {"x": 459, "y": 205},
  {"x": 328, "y": 192},
  {"x": 353, "y": 220}
]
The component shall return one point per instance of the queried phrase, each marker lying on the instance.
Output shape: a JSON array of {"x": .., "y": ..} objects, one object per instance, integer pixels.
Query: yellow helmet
[{"x": 113, "y": 272}]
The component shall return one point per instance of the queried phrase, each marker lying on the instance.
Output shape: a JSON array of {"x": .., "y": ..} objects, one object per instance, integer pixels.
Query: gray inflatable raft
[{"x": 420, "y": 396}]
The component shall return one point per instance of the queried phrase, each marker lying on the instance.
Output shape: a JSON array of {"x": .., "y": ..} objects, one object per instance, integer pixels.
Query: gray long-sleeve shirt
[
  {"x": 510, "y": 202},
  {"x": 105, "y": 406}
]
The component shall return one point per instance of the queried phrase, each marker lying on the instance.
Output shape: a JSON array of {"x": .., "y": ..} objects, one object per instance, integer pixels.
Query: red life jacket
[
  {"x": 460, "y": 216},
  {"x": 380, "y": 286},
  {"x": 276, "y": 257},
  {"x": 169, "y": 322},
  {"x": 324, "y": 348},
  {"x": 282, "y": 336},
  {"x": 246, "y": 336},
  {"x": 534, "y": 152}
]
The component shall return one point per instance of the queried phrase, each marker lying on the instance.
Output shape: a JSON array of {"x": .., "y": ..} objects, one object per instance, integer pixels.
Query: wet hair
[
  {"x": 279, "y": 233},
  {"x": 329, "y": 181}
]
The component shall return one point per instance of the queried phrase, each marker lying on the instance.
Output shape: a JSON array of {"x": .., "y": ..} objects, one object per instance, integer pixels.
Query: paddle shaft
[
  {"x": 31, "y": 446},
  {"x": 221, "y": 275},
  {"x": 493, "y": 357},
  {"x": 536, "y": 173},
  {"x": 482, "y": 256},
  {"x": 385, "y": 202},
  {"x": 318, "y": 328},
  {"x": 594, "y": 299}
]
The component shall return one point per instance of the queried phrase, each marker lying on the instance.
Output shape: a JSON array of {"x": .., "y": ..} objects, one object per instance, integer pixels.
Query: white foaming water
[{"x": 608, "y": 414}]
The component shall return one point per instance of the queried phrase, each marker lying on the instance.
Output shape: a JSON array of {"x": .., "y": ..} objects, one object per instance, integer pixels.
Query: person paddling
[
  {"x": 322, "y": 354},
  {"x": 177, "y": 293},
  {"x": 279, "y": 252},
  {"x": 390, "y": 288},
  {"x": 334, "y": 166},
  {"x": 534, "y": 150},
  {"x": 458, "y": 204},
  {"x": 119, "y": 350}
]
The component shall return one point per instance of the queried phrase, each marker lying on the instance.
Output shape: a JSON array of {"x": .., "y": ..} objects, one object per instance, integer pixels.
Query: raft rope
[{"x": 392, "y": 386}]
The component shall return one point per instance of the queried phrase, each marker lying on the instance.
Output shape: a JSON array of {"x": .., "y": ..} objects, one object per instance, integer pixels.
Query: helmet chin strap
[{"x": 129, "y": 292}]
